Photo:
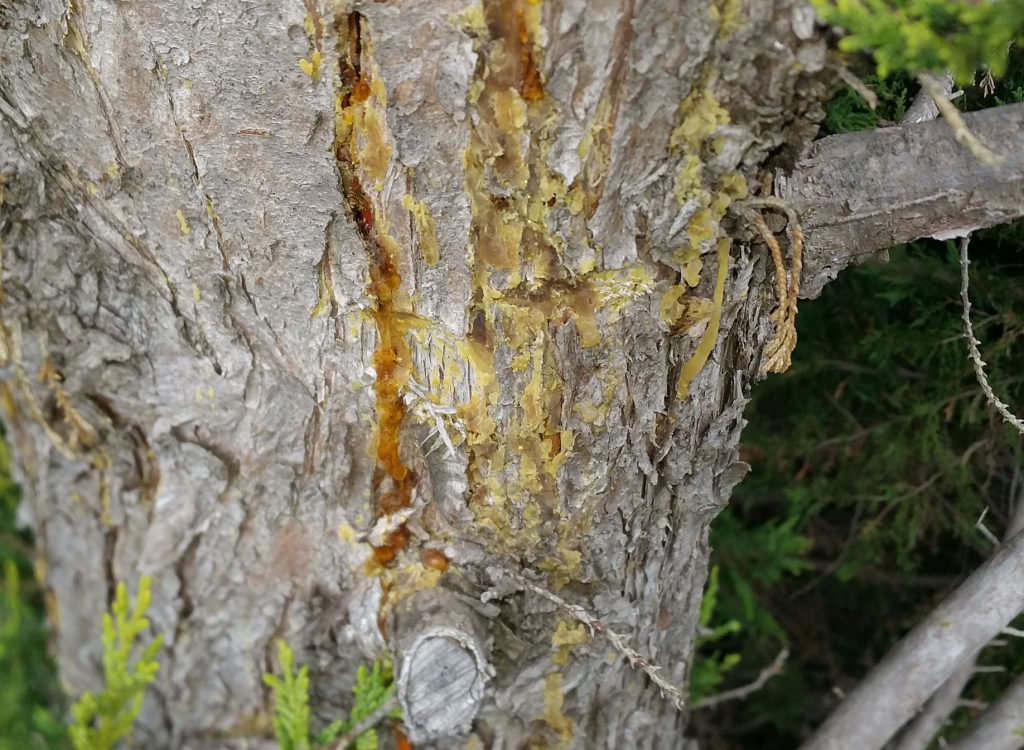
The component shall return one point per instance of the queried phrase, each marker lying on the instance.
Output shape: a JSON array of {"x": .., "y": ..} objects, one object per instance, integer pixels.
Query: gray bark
[
  {"x": 232, "y": 271},
  {"x": 913, "y": 181},
  {"x": 925, "y": 727},
  {"x": 1001, "y": 727}
]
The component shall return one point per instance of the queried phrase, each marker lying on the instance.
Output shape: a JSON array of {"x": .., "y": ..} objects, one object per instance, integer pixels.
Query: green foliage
[
  {"x": 291, "y": 701},
  {"x": 758, "y": 558},
  {"x": 373, "y": 687},
  {"x": 849, "y": 112},
  {"x": 936, "y": 35},
  {"x": 711, "y": 665},
  {"x": 26, "y": 688},
  {"x": 872, "y": 459},
  {"x": 100, "y": 720},
  {"x": 30, "y": 698}
]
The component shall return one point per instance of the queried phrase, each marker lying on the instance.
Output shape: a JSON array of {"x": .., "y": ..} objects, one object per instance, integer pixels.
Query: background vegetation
[
  {"x": 873, "y": 459},
  {"x": 31, "y": 702}
]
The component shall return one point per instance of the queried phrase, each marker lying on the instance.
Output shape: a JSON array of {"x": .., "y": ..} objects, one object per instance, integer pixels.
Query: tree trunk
[{"x": 325, "y": 316}]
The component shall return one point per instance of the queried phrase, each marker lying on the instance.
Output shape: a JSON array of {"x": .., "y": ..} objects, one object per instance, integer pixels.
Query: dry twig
[
  {"x": 947, "y": 639},
  {"x": 744, "y": 690},
  {"x": 851, "y": 80},
  {"x": 999, "y": 728},
  {"x": 952, "y": 115},
  {"x": 972, "y": 343}
]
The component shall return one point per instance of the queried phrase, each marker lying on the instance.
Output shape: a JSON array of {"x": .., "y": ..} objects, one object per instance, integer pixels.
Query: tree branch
[
  {"x": 923, "y": 108},
  {"x": 776, "y": 667},
  {"x": 949, "y": 636},
  {"x": 1001, "y": 727},
  {"x": 860, "y": 193},
  {"x": 920, "y": 732}
]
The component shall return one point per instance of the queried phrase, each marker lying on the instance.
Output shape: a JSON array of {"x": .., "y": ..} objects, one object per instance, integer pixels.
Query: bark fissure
[
  {"x": 204, "y": 197},
  {"x": 547, "y": 352},
  {"x": 77, "y": 40},
  {"x": 393, "y": 481}
]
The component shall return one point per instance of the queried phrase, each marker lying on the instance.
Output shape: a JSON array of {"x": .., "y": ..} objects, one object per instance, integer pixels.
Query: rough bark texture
[
  {"x": 242, "y": 294},
  {"x": 911, "y": 181}
]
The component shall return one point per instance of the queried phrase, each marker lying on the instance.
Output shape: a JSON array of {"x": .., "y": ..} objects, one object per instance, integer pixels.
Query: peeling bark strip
[{"x": 363, "y": 153}]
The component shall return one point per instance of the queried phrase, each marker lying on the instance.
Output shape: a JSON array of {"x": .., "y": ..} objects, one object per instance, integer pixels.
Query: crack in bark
[
  {"x": 516, "y": 263},
  {"x": 393, "y": 481},
  {"x": 110, "y": 577},
  {"x": 325, "y": 275},
  {"x": 78, "y": 41},
  {"x": 310, "y": 440},
  {"x": 189, "y": 432},
  {"x": 197, "y": 178},
  {"x": 595, "y": 167},
  {"x": 76, "y": 192}
]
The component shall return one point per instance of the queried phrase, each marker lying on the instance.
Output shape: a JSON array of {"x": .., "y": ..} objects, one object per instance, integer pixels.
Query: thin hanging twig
[{"x": 972, "y": 343}]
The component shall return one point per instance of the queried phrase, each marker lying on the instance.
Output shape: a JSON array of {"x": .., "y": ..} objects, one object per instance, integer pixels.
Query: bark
[
  {"x": 910, "y": 181},
  {"x": 1001, "y": 727},
  {"x": 258, "y": 257},
  {"x": 925, "y": 727}
]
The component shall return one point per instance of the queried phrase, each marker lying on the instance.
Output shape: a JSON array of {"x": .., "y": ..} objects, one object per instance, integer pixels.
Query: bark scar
[{"x": 360, "y": 152}]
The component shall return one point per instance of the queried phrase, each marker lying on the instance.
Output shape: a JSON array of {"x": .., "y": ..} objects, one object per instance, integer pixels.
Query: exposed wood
[{"x": 440, "y": 645}]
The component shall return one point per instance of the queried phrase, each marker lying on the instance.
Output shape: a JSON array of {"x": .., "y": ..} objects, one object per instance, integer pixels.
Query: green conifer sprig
[
  {"x": 372, "y": 689},
  {"x": 935, "y": 35},
  {"x": 100, "y": 720},
  {"x": 291, "y": 701}
]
